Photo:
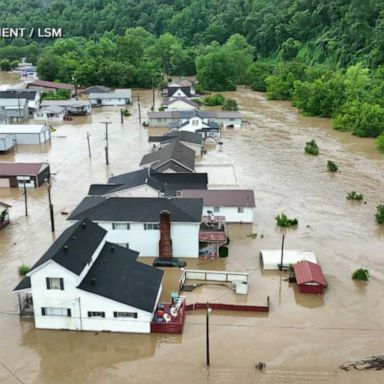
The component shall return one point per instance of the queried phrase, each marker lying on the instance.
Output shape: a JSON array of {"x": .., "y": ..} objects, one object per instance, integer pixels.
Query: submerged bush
[
  {"x": 283, "y": 221},
  {"x": 361, "y": 274},
  {"x": 380, "y": 214},
  {"x": 230, "y": 105},
  {"x": 223, "y": 252},
  {"x": 380, "y": 143},
  {"x": 311, "y": 147},
  {"x": 213, "y": 100},
  {"x": 332, "y": 167},
  {"x": 354, "y": 196},
  {"x": 23, "y": 269}
]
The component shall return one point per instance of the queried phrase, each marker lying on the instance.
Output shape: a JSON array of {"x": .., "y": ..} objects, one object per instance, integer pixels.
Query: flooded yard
[{"x": 303, "y": 338}]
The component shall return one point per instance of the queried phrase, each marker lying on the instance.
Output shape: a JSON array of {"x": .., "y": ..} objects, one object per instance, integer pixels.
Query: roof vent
[
  {"x": 83, "y": 224},
  {"x": 66, "y": 248},
  {"x": 93, "y": 281},
  {"x": 73, "y": 237},
  {"x": 112, "y": 248}
]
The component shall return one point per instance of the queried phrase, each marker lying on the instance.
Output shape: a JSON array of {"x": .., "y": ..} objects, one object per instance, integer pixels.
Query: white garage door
[{"x": 4, "y": 183}]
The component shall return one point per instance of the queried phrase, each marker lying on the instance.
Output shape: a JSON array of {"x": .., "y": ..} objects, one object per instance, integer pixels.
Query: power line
[{"x": 11, "y": 373}]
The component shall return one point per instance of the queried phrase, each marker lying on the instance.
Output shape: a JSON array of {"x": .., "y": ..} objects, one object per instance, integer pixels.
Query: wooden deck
[{"x": 174, "y": 325}]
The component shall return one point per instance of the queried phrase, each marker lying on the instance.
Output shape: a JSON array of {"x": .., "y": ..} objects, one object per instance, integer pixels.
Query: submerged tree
[
  {"x": 361, "y": 274},
  {"x": 283, "y": 221},
  {"x": 331, "y": 166},
  {"x": 311, "y": 147},
  {"x": 380, "y": 214}
]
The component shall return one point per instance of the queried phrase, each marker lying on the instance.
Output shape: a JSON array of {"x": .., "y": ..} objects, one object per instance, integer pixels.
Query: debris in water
[
  {"x": 374, "y": 362},
  {"x": 261, "y": 366}
]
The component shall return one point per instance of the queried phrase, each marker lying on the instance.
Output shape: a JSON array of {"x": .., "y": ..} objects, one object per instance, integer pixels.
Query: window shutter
[
  {"x": 48, "y": 283},
  {"x": 69, "y": 314},
  {"x": 135, "y": 315},
  {"x": 43, "y": 311},
  {"x": 114, "y": 314},
  {"x": 62, "y": 284},
  {"x": 89, "y": 314},
  {"x": 102, "y": 314}
]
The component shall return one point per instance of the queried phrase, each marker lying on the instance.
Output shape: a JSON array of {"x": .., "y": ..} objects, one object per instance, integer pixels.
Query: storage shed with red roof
[{"x": 309, "y": 277}]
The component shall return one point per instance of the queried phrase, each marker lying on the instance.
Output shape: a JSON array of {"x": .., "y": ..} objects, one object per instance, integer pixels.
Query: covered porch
[{"x": 24, "y": 297}]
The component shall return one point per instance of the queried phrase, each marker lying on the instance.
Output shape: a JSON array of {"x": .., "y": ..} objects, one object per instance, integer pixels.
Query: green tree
[
  {"x": 257, "y": 73},
  {"x": 48, "y": 67},
  {"x": 216, "y": 70},
  {"x": 380, "y": 142},
  {"x": 5, "y": 65},
  {"x": 230, "y": 105},
  {"x": 290, "y": 48}
]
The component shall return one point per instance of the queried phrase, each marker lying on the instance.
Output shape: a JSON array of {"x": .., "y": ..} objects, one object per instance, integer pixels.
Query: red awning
[
  {"x": 307, "y": 272},
  {"x": 212, "y": 236}
]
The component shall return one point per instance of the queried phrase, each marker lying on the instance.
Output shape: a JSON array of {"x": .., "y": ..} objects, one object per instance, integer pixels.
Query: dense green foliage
[
  {"x": 217, "y": 99},
  {"x": 60, "y": 94},
  {"x": 380, "y": 214},
  {"x": 361, "y": 274},
  {"x": 230, "y": 105},
  {"x": 311, "y": 148},
  {"x": 23, "y": 269},
  {"x": 223, "y": 251},
  {"x": 283, "y": 221},
  {"x": 353, "y": 195},
  {"x": 331, "y": 166},
  {"x": 380, "y": 143},
  {"x": 326, "y": 56}
]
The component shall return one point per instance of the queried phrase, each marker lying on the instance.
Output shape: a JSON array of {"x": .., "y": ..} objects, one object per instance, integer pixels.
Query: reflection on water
[{"x": 268, "y": 156}]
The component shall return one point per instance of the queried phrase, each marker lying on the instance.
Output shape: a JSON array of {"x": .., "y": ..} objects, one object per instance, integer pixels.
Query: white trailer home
[
  {"x": 119, "y": 97},
  {"x": 271, "y": 258},
  {"x": 27, "y": 133}
]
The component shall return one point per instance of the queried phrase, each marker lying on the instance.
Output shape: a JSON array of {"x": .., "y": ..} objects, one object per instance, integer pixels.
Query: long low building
[
  {"x": 27, "y": 133},
  {"x": 134, "y": 222},
  {"x": 271, "y": 258},
  {"x": 119, "y": 97},
  {"x": 84, "y": 283},
  {"x": 14, "y": 175},
  {"x": 232, "y": 205},
  {"x": 72, "y": 107},
  {"x": 167, "y": 118}
]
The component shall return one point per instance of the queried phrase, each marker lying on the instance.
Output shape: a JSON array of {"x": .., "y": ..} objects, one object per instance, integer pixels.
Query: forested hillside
[{"x": 326, "y": 56}]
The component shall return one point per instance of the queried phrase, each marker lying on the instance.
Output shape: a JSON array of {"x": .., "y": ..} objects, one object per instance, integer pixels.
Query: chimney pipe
[{"x": 165, "y": 243}]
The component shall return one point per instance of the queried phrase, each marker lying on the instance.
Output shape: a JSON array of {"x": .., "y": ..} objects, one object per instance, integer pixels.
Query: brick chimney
[{"x": 165, "y": 243}]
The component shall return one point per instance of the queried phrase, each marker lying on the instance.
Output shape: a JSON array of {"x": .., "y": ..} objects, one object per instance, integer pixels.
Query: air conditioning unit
[{"x": 240, "y": 287}]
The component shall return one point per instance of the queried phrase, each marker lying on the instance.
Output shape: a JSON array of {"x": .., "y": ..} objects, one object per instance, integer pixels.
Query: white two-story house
[
  {"x": 85, "y": 283},
  {"x": 134, "y": 222}
]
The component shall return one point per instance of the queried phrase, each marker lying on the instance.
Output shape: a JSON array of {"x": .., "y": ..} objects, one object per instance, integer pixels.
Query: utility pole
[
  {"x": 106, "y": 139},
  {"x": 207, "y": 335},
  {"x": 89, "y": 145},
  {"x": 138, "y": 104},
  {"x": 25, "y": 199},
  {"x": 282, "y": 253},
  {"x": 50, "y": 205},
  {"x": 153, "y": 96},
  {"x": 121, "y": 116}
]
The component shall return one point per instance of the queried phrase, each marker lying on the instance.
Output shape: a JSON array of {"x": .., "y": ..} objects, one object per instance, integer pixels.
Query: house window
[
  {"x": 150, "y": 226},
  {"x": 240, "y": 209},
  {"x": 125, "y": 314},
  {"x": 53, "y": 311},
  {"x": 124, "y": 245},
  {"x": 55, "y": 283},
  {"x": 121, "y": 226},
  {"x": 216, "y": 209},
  {"x": 96, "y": 314}
]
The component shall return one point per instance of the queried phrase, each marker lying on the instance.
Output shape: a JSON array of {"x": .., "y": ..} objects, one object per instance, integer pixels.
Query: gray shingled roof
[
  {"x": 137, "y": 209},
  {"x": 175, "y": 152},
  {"x": 117, "y": 275}
]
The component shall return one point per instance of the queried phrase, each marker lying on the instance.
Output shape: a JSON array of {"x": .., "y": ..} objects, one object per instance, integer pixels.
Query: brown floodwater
[{"x": 303, "y": 338}]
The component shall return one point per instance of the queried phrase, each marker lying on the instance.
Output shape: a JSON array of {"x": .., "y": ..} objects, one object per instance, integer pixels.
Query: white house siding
[
  {"x": 180, "y": 105},
  {"x": 231, "y": 214},
  {"x": 111, "y": 102},
  {"x": 6, "y": 143},
  {"x": 178, "y": 93},
  {"x": 43, "y": 297},
  {"x": 160, "y": 122},
  {"x": 185, "y": 238},
  {"x": 226, "y": 122},
  {"x": 90, "y": 302},
  {"x": 43, "y": 116}
]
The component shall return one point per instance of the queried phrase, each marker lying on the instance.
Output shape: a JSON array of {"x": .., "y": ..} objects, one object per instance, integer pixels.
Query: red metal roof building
[{"x": 309, "y": 277}]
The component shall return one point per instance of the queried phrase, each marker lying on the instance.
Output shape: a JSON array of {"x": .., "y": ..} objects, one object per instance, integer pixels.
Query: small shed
[
  {"x": 27, "y": 133},
  {"x": 4, "y": 214},
  {"x": 271, "y": 258},
  {"x": 309, "y": 277},
  {"x": 6, "y": 142},
  {"x": 14, "y": 175}
]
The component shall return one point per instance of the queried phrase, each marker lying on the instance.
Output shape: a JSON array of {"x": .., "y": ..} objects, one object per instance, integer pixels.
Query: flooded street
[{"x": 303, "y": 338}]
